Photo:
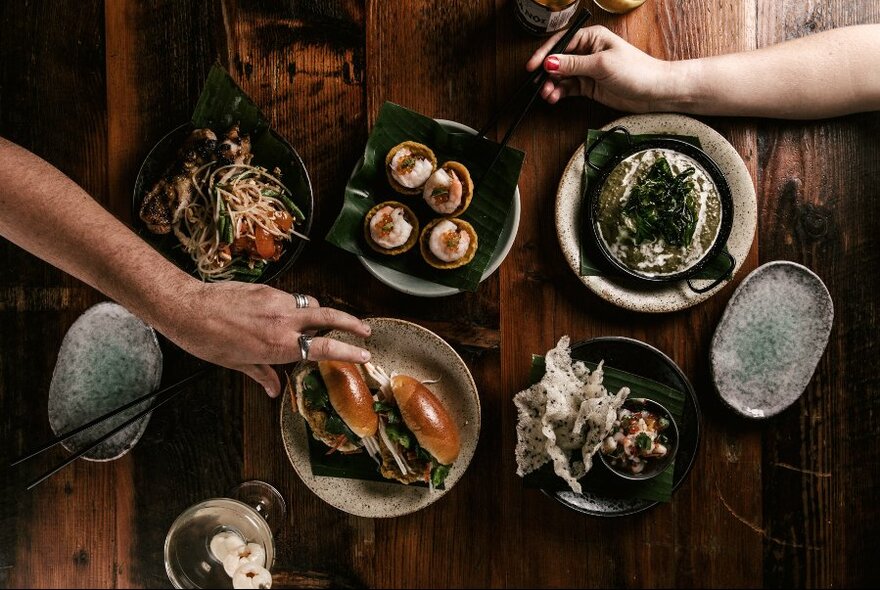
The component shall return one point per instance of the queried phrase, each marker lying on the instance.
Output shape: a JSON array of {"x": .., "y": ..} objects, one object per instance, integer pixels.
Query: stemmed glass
[{"x": 252, "y": 510}]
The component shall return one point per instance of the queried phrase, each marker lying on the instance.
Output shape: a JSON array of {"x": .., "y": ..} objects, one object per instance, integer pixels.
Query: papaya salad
[{"x": 232, "y": 217}]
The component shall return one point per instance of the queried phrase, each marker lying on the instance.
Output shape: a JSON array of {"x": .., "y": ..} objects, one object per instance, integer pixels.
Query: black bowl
[
  {"x": 715, "y": 174},
  {"x": 293, "y": 175},
  {"x": 640, "y": 358},
  {"x": 655, "y": 466}
]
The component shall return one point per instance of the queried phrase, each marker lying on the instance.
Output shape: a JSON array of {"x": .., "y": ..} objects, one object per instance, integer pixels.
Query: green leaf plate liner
[
  {"x": 716, "y": 268},
  {"x": 350, "y": 466},
  {"x": 600, "y": 479},
  {"x": 369, "y": 186}
]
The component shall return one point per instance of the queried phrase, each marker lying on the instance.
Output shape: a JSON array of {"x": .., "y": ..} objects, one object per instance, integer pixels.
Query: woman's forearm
[
  {"x": 47, "y": 214},
  {"x": 824, "y": 75}
]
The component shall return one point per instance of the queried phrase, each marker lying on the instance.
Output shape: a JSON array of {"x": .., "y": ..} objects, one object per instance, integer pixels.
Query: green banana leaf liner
[
  {"x": 350, "y": 466},
  {"x": 600, "y": 479},
  {"x": 716, "y": 268},
  {"x": 222, "y": 104},
  {"x": 369, "y": 186}
]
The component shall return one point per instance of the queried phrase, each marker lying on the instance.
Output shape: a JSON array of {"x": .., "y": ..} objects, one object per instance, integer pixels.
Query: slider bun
[
  {"x": 426, "y": 417},
  {"x": 350, "y": 396}
]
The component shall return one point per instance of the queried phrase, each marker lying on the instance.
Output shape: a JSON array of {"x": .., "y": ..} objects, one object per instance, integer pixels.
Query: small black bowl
[
  {"x": 293, "y": 175},
  {"x": 711, "y": 168},
  {"x": 655, "y": 466}
]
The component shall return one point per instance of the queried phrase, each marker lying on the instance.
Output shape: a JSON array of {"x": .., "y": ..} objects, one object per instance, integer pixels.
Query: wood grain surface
[{"x": 91, "y": 86}]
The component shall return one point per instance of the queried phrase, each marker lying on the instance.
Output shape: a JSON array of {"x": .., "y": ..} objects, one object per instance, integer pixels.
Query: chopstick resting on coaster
[
  {"x": 532, "y": 84},
  {"x": 161, "y": 397}
]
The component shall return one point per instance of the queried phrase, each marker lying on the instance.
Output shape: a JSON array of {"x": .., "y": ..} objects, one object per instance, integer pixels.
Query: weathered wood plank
[
  {"x": 158, "y": 54},
  {"x": 438, "y": 59},
  {"x": 303, "y": 63},
  {"x": 695, "y": 540},
  {"x": 51, "y": 102},
  {"x": 820, "y": 209}
]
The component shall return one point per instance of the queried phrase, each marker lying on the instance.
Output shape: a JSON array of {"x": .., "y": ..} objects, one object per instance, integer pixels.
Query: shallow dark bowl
[
  {"x": 293, "y": 174},
  {"x": 640, "y": 358},
  {"x": 656, "y": 466},
  {"x": 687, "y": 149}
]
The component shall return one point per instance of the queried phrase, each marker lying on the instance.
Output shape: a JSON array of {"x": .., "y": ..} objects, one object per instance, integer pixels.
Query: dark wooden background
[{"x": 91, "y": 86}]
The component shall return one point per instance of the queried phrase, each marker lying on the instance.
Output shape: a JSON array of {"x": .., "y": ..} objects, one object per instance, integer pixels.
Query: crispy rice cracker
[{"x": 564, "y": 417}]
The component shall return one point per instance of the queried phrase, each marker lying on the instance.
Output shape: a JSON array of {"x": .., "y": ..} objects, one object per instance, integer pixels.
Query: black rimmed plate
[
  {"x": 282, "y": 155},
  {"x": 634, "y": 356}
]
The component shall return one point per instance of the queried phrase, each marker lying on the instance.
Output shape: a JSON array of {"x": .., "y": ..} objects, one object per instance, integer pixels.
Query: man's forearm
[
  {"x": 47, "y": 214},
  {"x": 824, "y": 75}
]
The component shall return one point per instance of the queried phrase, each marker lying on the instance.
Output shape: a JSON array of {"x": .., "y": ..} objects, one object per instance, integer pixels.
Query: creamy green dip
[{"x": 656, "y": 257}]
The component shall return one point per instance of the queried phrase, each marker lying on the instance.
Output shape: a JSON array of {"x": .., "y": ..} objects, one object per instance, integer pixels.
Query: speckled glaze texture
[
  {"x": 770, "y": 339},
  {"x": 108, "y": 357},
  {"x": 406, "y": 348},
  {"x": 660, "y": 298}
]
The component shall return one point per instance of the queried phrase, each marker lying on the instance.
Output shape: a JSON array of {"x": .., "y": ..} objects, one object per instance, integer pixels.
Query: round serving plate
[
  {"x": 293, "y": 175},
  {"x": 663, "y": 297},
  {"x": 407, "y": 348},
  {"x": 639, "y": 358},
  {"x": 422, "y": 288}
]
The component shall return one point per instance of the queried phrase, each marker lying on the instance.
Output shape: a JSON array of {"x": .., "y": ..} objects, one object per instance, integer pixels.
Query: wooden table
[{"x": 91, "y": 86}]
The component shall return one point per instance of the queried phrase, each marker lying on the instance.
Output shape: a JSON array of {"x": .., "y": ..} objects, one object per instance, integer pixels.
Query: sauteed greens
[{"x": 663, "y": 205}]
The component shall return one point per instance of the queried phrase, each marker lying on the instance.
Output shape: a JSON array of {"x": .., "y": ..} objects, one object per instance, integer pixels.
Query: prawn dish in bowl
[
  {"x": 391, "y": 228},
  {"x": 448, "y": 243}
]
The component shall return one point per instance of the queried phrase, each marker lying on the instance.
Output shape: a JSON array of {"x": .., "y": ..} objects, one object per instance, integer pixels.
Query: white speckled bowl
[
  {"x": 407, "y": 348},
  {"x": 666, "y": 298},
  {"x": 770, "y": 339}
]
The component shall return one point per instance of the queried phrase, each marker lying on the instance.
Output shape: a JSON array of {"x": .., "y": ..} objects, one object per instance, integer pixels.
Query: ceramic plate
[
  {"x": 665, "y": 298},
  {"x": 770, "y": 339},
  {"x": 420, "y": 287},
  {"x": 642, "y": 359},
  {"x": 108, "y": 357},
  {"x": 407, "y": 348}
]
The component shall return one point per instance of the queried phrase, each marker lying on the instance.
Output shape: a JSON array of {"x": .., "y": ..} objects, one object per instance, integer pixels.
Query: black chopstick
[
  {"x": 167, "y": 394},
  {"x": 63, "y": 437},
  {"x": 537, "y": 78},
  {"x": 533, "y": 83}
]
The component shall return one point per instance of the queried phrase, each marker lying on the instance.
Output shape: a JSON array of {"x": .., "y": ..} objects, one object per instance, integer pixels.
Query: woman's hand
[
  {"x": 600, "y": 65},
  {"x": 250, "y": 327}
]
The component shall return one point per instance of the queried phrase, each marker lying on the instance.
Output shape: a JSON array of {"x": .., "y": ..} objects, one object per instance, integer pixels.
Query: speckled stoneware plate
[
  {"x": 770, "y": 339},
  {"x": 660, "y": 298},
  {"x": 642, "y": 359},
  {"x": 108, "y": 357},
  {"x": 420, "y": 287},
  {"x": 407, "y": 348}
]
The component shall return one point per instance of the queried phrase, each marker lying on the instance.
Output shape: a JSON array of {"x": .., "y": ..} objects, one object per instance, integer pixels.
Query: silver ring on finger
[
  {"x": 304, "y": 343},
  {"x": 302, "y": 301}
]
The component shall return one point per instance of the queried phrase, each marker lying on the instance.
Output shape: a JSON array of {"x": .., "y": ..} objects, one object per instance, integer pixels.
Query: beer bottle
[{"x": 545, "y": 17}]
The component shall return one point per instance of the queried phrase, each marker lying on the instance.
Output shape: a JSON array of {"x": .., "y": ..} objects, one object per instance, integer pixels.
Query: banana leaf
[
  {"x": 716, "y": 268},
  {"x": 600, "y": 480},
  {"x": 369, "y": 186},
  {"x": 348, "y": 466},
  {"x": 222, "y": 104}
]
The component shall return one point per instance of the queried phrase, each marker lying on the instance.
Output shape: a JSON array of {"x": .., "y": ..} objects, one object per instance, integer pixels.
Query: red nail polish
[{"x": 551, "y": 64}]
